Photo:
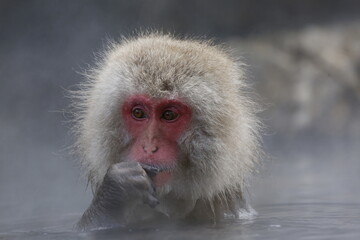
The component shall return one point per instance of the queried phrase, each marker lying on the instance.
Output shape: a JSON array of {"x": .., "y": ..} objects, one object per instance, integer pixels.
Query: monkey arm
[
  {"x": 99, "y": 212},
  {"x": 124, "y": 186},
  {"x": 218, "y": 208}
]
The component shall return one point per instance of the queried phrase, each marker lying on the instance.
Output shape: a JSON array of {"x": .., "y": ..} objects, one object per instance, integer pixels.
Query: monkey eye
[
  {"x": 138, "y": 113},
  {"x": 169, "y": 115}
]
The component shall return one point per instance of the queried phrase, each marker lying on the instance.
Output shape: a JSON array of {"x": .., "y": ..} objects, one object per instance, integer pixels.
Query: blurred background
[{"x": 304, "y": 64}]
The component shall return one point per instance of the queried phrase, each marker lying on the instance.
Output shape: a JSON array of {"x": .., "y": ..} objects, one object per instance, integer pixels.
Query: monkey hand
[
  {"x": 125, "y": 185},
  {"x": 128, "y": 181}
]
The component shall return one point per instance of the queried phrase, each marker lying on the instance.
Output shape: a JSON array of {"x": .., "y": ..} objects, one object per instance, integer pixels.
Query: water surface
[{"x": 307, "y": 190}]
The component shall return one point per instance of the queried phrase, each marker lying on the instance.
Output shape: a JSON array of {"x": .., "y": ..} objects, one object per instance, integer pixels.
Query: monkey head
[{"x": 179, "y": 107}]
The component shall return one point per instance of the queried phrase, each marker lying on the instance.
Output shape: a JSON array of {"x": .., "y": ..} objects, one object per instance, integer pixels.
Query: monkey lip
[
  {"x": 160, "y": 174},
  {"x": 153, "y": 169}
]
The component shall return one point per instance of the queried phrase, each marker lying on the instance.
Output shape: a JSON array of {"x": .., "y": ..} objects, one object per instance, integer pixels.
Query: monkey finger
[
  {"x": 153, "y": 186},
  {"x": 127, "y": 166},
  {"x": 143, "y": 183},
  {"x": 151, "y": 200},
  {"x": 150, "y": 170}
]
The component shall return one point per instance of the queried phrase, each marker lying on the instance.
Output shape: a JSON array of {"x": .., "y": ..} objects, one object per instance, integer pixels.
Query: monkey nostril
[
  {"x": 144, "y": 148},
  {"x": 151, "y": 149},
  {"x": 154, "y": 149}
]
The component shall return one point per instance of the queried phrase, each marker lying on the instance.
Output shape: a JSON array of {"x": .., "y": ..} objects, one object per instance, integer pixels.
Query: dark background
[{"x": 45, "y": 44}]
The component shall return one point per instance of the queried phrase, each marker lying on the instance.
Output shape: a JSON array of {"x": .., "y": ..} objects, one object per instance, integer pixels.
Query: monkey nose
[{"x": 150, "y": 149}]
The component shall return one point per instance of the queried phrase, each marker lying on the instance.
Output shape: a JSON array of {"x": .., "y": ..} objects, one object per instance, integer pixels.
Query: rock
[{"x": 309, "y": 77}]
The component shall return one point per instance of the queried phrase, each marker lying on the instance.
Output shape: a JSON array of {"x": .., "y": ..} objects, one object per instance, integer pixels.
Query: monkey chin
[{"x": 162, "y": 178}]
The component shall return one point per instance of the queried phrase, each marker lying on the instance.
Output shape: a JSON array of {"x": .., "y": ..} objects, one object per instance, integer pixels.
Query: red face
[{"x": 155, "y": 125}]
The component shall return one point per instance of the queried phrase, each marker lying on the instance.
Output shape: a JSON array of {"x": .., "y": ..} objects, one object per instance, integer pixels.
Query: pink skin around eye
[{"x": 155, "y": 138}]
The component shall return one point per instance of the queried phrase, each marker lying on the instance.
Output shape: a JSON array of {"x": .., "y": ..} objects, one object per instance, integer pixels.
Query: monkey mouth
[{"x": 152, "y": 170}]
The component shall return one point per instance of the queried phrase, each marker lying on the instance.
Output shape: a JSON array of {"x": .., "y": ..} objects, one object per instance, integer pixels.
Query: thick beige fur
[{"x": 220, "y": 150}]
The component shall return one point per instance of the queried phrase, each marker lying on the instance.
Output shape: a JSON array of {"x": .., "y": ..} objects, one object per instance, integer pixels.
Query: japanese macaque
[{"x": 166, "y": 129}]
